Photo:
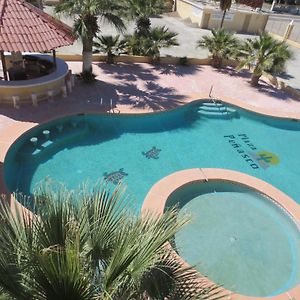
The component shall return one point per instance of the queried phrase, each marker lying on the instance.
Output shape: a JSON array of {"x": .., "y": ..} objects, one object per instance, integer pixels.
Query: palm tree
[
  {"x": 84, "y": 246},
  {"x": 224, "y": 6},
  {"x": 222, "y": 45},
  {"x": 150, "y": 45},
  {"x": 112, "y": 45},
  {"x": 86, "y": 14},
  {"x": 141, "y": 11},
  {"x": 134, "y": 44},
  {"x": 159, "y": 37},
  {"x": 263, "y": 54}
]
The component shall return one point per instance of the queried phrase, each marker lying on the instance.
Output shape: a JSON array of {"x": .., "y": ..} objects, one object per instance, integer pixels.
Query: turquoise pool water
[
  {"x": 238, "y": 238},
  {"x": 88, "y": 148}
]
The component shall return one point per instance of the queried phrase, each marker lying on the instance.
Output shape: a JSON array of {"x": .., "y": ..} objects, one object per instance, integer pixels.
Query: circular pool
[
  {"x": 238, "y": 238},
  {"x": 243, "y": 232}
]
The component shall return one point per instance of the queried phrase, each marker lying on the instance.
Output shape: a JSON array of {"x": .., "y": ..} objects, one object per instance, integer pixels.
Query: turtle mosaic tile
[
  {"x": 116, "y": 176},
  {"x": 152, "y": 153}
]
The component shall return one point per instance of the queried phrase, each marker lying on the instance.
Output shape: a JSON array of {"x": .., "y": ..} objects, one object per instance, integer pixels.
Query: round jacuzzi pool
[
  {"x": 238, "y": 238},
  {"x": 243, "y": 232}
]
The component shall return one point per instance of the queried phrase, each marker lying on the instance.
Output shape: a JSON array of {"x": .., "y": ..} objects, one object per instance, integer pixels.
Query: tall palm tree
[
  {"x": 263, "y": 54},
  {"x": 141, "y": 11},
  {"x": 224, "y": 6},
  {"x": 87, "y": 14},
  {"x": 222, "y": 45},
  {"x": 84, "y": 246}
]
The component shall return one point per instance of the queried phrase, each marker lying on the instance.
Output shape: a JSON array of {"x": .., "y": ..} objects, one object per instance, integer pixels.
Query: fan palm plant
[
  {"x": 150, "y": 45},
  {"x": 159, "y": 37},
  {"x": 134, "y": 44},
  {"x": 224, "y": 6},
  {"x": 86, "y": 26},
  {"x": 141, "y": 10},
  {"x": 263, "y": 54},
  {"x": 84, "y": 246},
  {"x": 111, "y": 45},
  {"x": 222, "y": 45}
]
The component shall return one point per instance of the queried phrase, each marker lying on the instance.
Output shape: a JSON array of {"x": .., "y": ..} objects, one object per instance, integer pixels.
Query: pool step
[
  {"x": 213, "y": 108},
  {"x": 215, "y": 115},
  {"x": 216, "y": 110},
  {"x": 212, "y": 104}
]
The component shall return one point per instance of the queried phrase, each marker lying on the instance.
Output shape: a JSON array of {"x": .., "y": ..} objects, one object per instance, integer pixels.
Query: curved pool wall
[
  {"x": 235, "y": 236},
  {"x": 181, "y": 139}
]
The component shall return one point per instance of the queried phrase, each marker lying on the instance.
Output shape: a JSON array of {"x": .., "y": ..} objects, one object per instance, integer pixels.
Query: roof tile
[{"x": 26, "y": 28}]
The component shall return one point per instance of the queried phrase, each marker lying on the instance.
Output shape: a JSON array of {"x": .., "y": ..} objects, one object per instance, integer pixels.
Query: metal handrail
[{"x": 213, "y": 100}]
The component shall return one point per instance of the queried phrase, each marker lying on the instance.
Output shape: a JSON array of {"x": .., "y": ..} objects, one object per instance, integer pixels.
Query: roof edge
[
  {"x": 67, "y": 30},
  {"x": 3, "y": 4}
]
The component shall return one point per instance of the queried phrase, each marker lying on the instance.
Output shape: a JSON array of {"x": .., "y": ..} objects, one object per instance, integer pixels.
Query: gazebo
[{"x": 26, "y": 28}]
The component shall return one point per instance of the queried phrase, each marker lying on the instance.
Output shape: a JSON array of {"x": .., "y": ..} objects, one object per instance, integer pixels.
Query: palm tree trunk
[
  {"x": 216, "y": 62},
  {"x": 143, "y": 25},
  {"x": 110, "y": 57},
  {"x": 223, "y": 17},
  {"x": 87, "y": 54},
  {"x": 254, "y": 79}
]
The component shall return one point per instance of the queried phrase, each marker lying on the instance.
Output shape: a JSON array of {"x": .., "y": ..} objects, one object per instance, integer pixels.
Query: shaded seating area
[
  {"x": 29, "y": 67},
  {"x": 26, "y": 31}
]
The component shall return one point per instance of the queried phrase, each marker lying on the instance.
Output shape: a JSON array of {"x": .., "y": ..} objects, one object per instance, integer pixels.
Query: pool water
[
  {"x": 142, "y": 149},
  {"x": 243, "y": 240}
]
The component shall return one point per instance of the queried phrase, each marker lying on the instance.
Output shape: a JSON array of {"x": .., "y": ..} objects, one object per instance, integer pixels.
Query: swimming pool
[
  {"x": 238, "y": 237},
  {"x": 142, "y": 149}
]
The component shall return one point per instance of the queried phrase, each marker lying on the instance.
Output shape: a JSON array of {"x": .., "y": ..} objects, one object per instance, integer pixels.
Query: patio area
[{"x": 138, "y": 88}]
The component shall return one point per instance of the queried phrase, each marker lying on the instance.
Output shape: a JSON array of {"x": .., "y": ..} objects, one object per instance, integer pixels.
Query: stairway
[{"x": 216, "y": 110}]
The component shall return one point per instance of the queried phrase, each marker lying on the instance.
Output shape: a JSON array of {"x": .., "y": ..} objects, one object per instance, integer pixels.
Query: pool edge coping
[{"x": 157, "y": 196}]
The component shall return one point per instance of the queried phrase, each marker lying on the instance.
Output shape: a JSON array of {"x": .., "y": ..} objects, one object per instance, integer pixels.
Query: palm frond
[
  {"x": 114, "y": 20},
  {"x": 222, "y": 44},
  {"x": 225, "y": 4},
  {"x": 139, "y": 8},
  {"x": 59, "y": 273},
  {"x": 264, "y": 54},
  {"x": 90, "y": 245},
  {"x": 131, "y": 259}
]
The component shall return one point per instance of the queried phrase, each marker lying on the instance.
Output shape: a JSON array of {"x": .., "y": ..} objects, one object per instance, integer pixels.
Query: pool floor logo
[
  {"x": 266, "y": 159},
  {"x": 245, "y": 148}
]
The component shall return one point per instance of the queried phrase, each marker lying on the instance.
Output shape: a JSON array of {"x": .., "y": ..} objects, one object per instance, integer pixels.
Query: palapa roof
[{"x": 26, "y": 28}]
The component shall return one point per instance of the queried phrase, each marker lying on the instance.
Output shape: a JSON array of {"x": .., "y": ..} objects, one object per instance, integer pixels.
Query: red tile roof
[{"x": 25, "y": 28}]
